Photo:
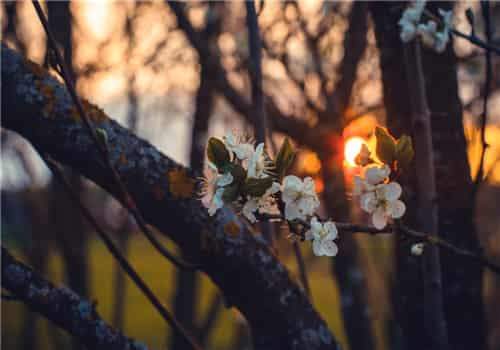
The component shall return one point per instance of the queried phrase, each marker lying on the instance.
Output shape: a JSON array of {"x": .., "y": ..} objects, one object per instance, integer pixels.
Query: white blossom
[
  {"x": 214, "y": 189},
  {"x": 376, "y": 174},
  {"x": 409, "y": 20},
  {"x": 383, "y": 203},
  {"x": 299, "y": 196},
  {"x": 417, "y": 249},
  {"x": 322, "y": 236},
  {"x": 264, "y": 204},
  {"x": 428, "y": 33},
  {"x": 257, "y": 163},
  {"x": 242, "y": 150}
]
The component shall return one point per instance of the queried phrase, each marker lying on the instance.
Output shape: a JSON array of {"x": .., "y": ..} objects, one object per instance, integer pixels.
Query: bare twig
[
  {"x": 126, "y": 198},
  {"x": 404, "y": 231},
  {"x": 122, "y": 261}
]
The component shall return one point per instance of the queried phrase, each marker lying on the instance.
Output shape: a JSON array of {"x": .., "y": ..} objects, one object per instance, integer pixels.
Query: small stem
[{"x": 401, "y": 230}]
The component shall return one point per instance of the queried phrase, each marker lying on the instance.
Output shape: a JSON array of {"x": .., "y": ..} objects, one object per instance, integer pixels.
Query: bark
[
  {"x": 62, "y": 306},
  {"x": 461, "y": 279},
  {"x": 235, "y": 258}
]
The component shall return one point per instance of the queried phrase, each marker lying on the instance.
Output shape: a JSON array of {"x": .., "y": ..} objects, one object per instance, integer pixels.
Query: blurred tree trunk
[
  {"x": 462, "y": 280},
  {"x": 186, "y": 297},
  {"x": 9, "y": 32},
  {"x": 351, "y": 279}
]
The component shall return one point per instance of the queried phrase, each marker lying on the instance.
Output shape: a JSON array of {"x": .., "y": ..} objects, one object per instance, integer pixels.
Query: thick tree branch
[
  {"x": 38, "y": 107},
  {"x": 62, "y": 306}
]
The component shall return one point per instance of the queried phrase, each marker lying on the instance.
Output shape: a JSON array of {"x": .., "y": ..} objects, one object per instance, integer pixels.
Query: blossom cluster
[
  {"x": 244, "y": 175},
  {"x": 411, "y": 27},
  {"x": 379, "y": 194}
]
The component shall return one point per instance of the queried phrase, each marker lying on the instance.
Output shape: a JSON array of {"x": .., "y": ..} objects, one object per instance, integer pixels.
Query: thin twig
[
  {"x": 485, "y": 6},
  {"x": 127, "y": 199},
  {"x": 122, "y": 261},
  {"x": 471, "y": 38},
  {"x": 402, "y": 230}
]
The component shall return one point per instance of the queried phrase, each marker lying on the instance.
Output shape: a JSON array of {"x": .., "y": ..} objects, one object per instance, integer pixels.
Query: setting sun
[{"x": 352, "y": 148}]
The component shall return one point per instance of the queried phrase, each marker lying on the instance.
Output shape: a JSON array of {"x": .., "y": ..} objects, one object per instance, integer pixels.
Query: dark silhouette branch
[{"x": 62, "y": 306}]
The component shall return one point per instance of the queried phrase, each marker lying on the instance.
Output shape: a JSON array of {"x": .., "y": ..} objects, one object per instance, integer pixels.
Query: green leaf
[
  {"x": 217, "y": 153},
  {"x": 231, "y": 193},
  {"x": 257, "y": 187},
  {"x": 285, "y": 158},
  {"x": 404, "y": 151},
  {"x": 386, "y": 145},
  {"x": 103, "y": 136},
  {"x": 238, "y": 172}
]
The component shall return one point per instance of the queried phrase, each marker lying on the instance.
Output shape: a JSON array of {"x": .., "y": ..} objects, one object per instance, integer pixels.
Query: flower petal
[
  {"x": 331, "y": 230},
  {"x": 375, "y": 175},
  {"x": 292, "y": 212},
  {"x": 329, "y": 248},
  {"x": 317, "y": 248},
  {"x": 392, "y": 191},
  {"x": 368, "y": 202},
  {"x": 379, "y": 218},
  {"x": 397, "y": 209}
]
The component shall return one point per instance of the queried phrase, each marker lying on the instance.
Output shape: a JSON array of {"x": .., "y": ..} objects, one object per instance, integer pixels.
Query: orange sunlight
[{"x": 351, "y": 149}]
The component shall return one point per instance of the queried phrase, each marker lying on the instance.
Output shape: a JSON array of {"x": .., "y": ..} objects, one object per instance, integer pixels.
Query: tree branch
[
  {"x": 62, "y": 306},
  {"x": 38, "y": 107}
]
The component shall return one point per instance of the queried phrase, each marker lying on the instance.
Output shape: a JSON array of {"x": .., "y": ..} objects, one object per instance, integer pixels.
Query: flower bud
[{"x": 417, "y": 249}]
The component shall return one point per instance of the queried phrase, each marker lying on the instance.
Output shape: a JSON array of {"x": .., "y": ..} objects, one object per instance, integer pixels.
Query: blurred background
[{"x": 133, "y": 60}]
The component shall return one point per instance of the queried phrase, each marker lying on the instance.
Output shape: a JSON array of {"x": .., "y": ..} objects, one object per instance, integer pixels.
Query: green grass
[{"x": 141, "y": 320}]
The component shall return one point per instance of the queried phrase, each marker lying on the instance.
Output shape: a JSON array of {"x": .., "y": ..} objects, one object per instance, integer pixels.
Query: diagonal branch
[
  {"x": 252, "y": 279},
  {"x": 62, "y": 306}
]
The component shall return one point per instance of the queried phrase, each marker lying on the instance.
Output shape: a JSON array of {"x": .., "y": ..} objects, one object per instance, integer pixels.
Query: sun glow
[{"x": 351, "y": 149}]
